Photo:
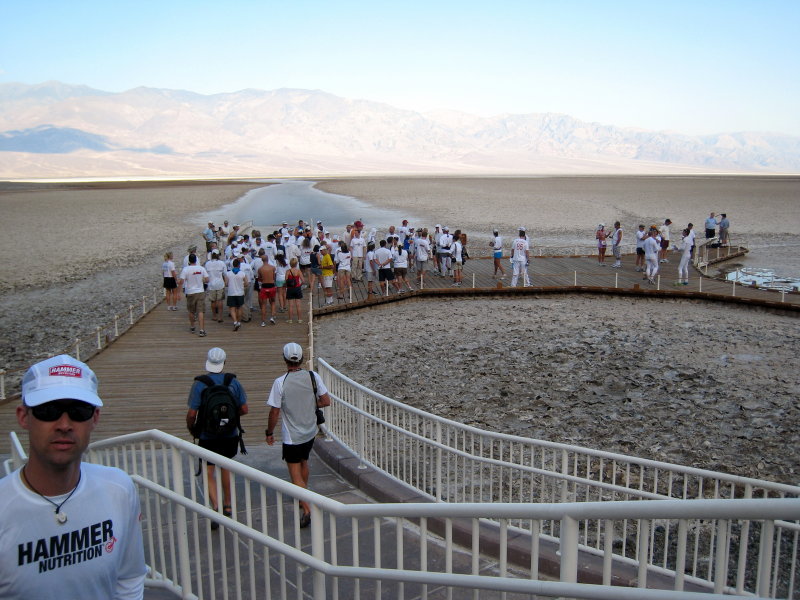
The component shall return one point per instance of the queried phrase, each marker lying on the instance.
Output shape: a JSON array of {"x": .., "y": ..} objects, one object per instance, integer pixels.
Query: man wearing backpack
[
  {"x": 297, "y": 394},
  {"x": 216, "y": 402}
]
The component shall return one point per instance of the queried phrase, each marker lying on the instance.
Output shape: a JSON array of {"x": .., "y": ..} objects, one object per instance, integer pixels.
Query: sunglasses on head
[{"x": 52, "y": 411}]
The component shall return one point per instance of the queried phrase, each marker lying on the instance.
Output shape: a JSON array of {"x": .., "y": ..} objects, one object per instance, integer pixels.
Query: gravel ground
[{"x": 709, "y": 386}]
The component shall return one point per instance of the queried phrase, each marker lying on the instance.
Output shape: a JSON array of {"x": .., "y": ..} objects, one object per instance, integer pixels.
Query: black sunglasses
[{"x": 51, "y": 411}]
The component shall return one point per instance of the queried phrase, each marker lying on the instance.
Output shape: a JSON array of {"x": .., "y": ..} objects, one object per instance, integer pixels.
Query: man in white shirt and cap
[{"x": 70, "y": 529}]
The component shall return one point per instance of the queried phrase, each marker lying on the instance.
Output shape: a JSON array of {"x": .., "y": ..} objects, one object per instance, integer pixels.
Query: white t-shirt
[
  {"x": 455, "y": 250},
  {"x": 343, "y": 260},
  {"x": 298, "y": 421},
  {"x": 640, "y": 239},
  {"x": 400, "y": 258},
  {"x": 445, "y": 241},
  {"x": 383, "y": 256},
  {"x": 236, "y": 283},
  {"x": 368, "y": 266},
  {"x": 215, "y": 269},
  {"x": 423, "y": 247},
  {"x": 519, "y": 247},
  {"x": 357, "y": 245},
  {"x": 193, "y": 277},
  {"x": 167, "y": 268},
  {"x": 664, "y": 231},
  {"x": 96, "y": 555}
]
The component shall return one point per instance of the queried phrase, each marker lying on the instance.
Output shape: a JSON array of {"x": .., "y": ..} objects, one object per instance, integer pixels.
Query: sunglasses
[{"x": 52, "y": 411}]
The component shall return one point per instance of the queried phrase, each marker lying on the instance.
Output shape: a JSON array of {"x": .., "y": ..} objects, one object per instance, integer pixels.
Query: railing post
[
  {"x": 658, "y": 281},
  {"x": 144, "y": 305},
  {"x": 569, "y": 550},
  {"x": 701, "y": 284},
  {"x": 116, "y": 326},
  {"x": 2, "y": 384},
  {"x": 733, "y": 288},
  {"x": 642, "y": 547},
  {"x": 575, "y": 278},
  {"x": 184, "y": 562},
  {"x": 765, "y": 558},
  {"x": 130, "y": 309},
  {"x": 362, "y": 434},
  {"x": 99, "y": 343},
  {"x": 438, "y": 462},
  {"x": 78, "y": 348},
  {"x": 721, "y": 558},
  {"x": 473, "y": 281},
  {"x": 616, "y": 280},
  {"x": 318, "y": 549},
  {"x": 564, "y": 471}
]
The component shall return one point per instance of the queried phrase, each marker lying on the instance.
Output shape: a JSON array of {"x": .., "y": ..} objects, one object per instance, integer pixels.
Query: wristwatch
[{"x": 267, "y": 432}]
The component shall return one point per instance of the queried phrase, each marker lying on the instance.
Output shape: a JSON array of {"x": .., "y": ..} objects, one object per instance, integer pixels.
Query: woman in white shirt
[
  {"x": 170, "y": 281},
  {"x": 497, "y": 249},
  {"x": 343, "y": 260},
  {"x": 400, "y": 261}
]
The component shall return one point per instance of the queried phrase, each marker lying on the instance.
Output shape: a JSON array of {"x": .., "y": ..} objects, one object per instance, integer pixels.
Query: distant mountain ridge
[{"x": 55, "y": 129}]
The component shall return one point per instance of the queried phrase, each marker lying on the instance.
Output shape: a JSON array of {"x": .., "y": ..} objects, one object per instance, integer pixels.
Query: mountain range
[{"x": 59, "y": 130}]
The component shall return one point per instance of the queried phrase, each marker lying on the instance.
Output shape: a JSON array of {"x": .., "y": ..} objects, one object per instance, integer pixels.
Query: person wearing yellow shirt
[{"x": 326, "y": 264}]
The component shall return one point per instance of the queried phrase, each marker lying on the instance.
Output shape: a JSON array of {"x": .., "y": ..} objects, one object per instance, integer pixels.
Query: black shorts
[
  {"x": 294, "y": 293},
  {"x": 235, "y": 301},
  {"x": 385, "y": 275},
  {"x": 170, "y": 283},
  {"x": 295, "y": 453},
  {"x": 640, "y": 251},
  {"x": 227, "y": 447}
]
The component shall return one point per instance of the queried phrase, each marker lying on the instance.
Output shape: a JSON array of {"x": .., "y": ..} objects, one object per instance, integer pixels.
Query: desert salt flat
[{"x": 87, "y": 251}]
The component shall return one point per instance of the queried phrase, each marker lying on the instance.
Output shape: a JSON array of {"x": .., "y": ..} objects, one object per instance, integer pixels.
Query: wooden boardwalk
[{"x": 146, "y": 374}]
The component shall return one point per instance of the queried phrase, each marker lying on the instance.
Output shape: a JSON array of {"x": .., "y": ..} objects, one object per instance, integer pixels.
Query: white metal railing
[
  {"x": 451, "y": 462},
  {"x": 390, "y": 550}
]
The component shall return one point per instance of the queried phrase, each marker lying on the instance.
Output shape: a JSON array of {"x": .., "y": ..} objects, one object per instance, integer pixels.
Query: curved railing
[
  {"x": 454, "y": 463},
  {"x": 391, "y": 550}
]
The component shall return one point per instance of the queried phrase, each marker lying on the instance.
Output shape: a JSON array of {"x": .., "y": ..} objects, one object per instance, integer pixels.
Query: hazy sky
[{"x": 690, "y": 66}]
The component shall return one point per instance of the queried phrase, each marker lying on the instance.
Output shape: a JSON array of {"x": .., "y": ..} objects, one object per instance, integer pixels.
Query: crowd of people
[
  {"x": 653, "y": 245},
  {"x": 235, "y": 266}
]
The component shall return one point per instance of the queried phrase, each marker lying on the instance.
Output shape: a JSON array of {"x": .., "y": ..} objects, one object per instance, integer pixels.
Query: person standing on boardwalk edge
[
  {"x": 296, "y": 395},
  {"x": 68, "y": 529},
  {"x": 216, "y": 403}
]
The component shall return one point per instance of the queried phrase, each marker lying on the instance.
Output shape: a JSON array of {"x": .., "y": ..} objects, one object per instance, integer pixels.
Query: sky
[{"x": 694, "y": 67}]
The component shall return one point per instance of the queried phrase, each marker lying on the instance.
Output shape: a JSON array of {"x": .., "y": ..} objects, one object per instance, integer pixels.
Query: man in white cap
[
  {"x": 520, "y": 258},
  {"x": 216, "y": 431},
  {"x": 68, "y": 529},
  {"x": 297, "y": 395}
]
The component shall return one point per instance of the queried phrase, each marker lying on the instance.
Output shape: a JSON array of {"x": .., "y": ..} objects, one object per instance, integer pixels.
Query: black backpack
[{"x": 218, "y": 415}]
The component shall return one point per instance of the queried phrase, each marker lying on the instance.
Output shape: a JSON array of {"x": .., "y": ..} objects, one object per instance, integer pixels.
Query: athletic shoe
[
  {"x": 272, "y": 320},
  {"x": 685, "y": 283},
  {"x": 305, "y": 520},
  {"x": 263, "y": 323},
  {"x": 288, "y": 320},
  {"x": 299, "y": 320},
  {"x": 602, "y": 264},
  {"x": 192, "y": 330},
  {"x": 202, "y": 333},
  {"x": 236, "y": 326}
]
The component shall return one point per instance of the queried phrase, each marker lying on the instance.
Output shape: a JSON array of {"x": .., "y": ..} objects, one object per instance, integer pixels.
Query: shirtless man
[{"x": 267, "y": 291}]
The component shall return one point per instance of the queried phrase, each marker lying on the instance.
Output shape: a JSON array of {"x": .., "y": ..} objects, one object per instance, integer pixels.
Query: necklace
[{"x": 61, "y": 517}]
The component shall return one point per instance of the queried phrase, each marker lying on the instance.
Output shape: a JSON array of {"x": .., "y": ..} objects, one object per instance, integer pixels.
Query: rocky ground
[{"x": 709, "y": 386}]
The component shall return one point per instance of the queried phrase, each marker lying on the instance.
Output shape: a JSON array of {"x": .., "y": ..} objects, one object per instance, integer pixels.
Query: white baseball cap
[
  {"x": 59, "y": 378},
  {"x": 293, "y": 352},
  {"x": 215, "y": 361}
]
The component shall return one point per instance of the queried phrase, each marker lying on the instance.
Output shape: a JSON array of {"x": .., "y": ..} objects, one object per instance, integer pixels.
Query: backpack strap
[
  {"x": 314, "y": 387},
  {"x": 205, "y": 379}
]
